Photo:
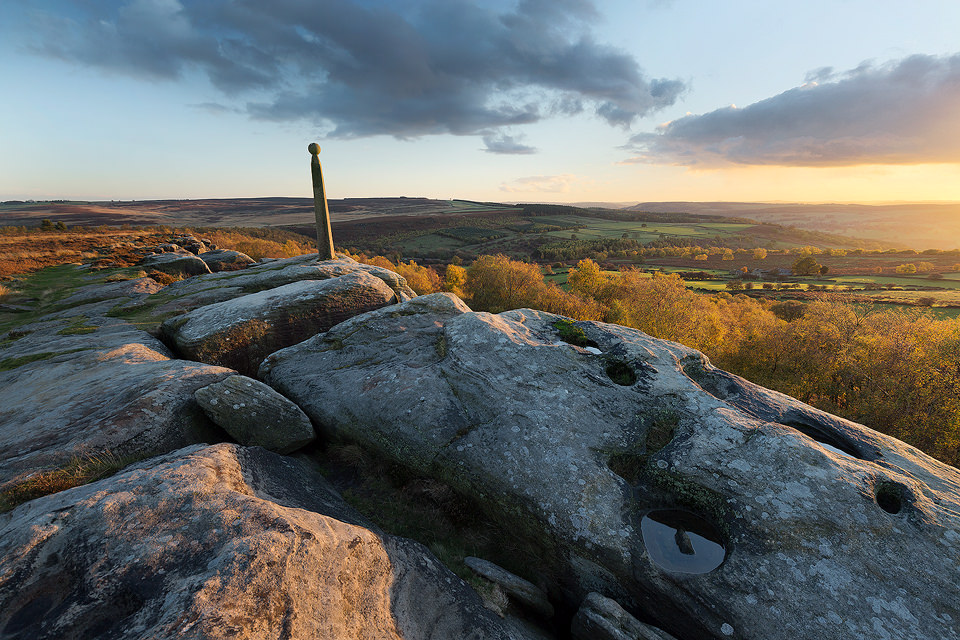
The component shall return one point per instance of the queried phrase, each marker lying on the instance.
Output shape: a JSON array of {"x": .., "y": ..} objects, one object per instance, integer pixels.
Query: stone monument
[{"x": 324, "y": 235}]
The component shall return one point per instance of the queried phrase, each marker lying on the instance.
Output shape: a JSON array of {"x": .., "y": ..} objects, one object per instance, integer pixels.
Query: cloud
[
  {"x": 541, "y": 184},
  {"x": 903, "y": 112},
  {"x": 369, "y": 67},
  {"x": 499, "y": 142}
]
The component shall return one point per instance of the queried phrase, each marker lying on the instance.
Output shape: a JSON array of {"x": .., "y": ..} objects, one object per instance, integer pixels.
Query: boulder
[
  {"x": 64, "y": 394},
  {"x": 226, "y": 260},
  {"x": 255, "y": 415},
  {"x": 713, "y": 506},
  {"x": 217, "y": 287},
  {"x": 177, "y": 262},
  {"x": 241, "y": 332},
  {"x": 600, "y": 618},
  {"x": 222, "y": 542}
]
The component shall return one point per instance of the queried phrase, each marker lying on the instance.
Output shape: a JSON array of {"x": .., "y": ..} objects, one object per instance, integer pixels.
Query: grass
[
  {"x": 80, "y": 470},
  {"x": 9, "y": 364},
  {"x": 78, "y": 328},
  {"x": 572, "y": 334}
]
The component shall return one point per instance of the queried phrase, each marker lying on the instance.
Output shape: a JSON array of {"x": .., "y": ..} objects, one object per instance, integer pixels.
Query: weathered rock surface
[
  {"x": 255, "y": 415},
  {"x": 226, "y": 260},
  {"x": 178, "y": 262},
  {"x": 135, "y": 288},
  {"x": 64, "y": 393},
  {"x": 241, "y": 332},
  {"x": 217, "y": 287},
  {"x": 600, "y": 618},
  {"x": 630, "y": 459},
  {"x": 221, "y": 542},
  {"x": 523, "y": 591}
]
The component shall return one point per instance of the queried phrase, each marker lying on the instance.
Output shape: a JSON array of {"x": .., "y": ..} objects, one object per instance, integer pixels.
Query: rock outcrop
[
  {"x": 207, "y": 289},
  {"x": 239, "y": 333},
  {"x": 222, "y": 542},
  {"x": 67, "y": 389},
  {"x": 255, "y": 415},
  {"x": 704, "y": 504}
]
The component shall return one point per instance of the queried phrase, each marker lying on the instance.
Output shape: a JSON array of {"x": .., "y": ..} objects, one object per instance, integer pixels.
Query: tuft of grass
[
  {"x": 80, "y": 470},
  {"x": 77, "y": 328},
  {"x": 126, "y": 274},
  {"x": 572, "y": 334}
]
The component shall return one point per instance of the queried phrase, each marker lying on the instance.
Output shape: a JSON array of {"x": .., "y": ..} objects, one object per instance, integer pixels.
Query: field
[
  {"x": 228, "y": 212},
  {"x": 436, "y": 232},
  {"x": 923, "y": 225}
]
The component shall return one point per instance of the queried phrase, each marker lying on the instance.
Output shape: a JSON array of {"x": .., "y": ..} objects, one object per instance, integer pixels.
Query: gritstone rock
[
  {"x": 256, "y": 415},
  {"x": 116, "y": 388},
  {"x": 523, "y": 591},
  {"x": 601, "y": 618},
  {"x": 239, "y": 333},
  {"x": 801, "y": 524},
  {"x": 179, "y": 262},
  {"x": 222, "y": 542},
  {"x": 217, "y": 287}
]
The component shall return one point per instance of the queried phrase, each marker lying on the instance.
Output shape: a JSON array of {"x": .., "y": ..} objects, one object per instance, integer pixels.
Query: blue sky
[{"x": 527, "y": 100}]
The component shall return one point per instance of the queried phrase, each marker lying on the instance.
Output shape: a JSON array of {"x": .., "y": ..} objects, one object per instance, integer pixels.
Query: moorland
[{"x": 860, "y": 327}]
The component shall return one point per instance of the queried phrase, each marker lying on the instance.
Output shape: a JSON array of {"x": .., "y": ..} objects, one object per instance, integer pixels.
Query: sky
[{"x": 492, "y": 100}]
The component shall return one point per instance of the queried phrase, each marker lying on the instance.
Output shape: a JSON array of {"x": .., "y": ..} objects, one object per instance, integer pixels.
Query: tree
[
  {"x": 455, "y": 280},
  {"x": 46, "y": 225},
  {"x": 906, "y": 268},
  {"x": 497, "y": 283},
  {"x": 423, "y": 280},
  {"x": 759, "y": 253},
  {"x": 60, "y": 226},
  {"x": 806, "y": 266}
]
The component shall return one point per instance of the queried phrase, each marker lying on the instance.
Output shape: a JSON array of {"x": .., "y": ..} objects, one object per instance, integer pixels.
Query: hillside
[
  {"x": 916, "y": 225},
  {"x": 227, "y": 212},
  {"x": 559, "y": 478}
]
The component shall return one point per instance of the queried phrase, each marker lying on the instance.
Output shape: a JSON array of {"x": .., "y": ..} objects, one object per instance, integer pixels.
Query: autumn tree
[
  {"x": 455, "y": 280},
  {"x": 806, "y": 266}
]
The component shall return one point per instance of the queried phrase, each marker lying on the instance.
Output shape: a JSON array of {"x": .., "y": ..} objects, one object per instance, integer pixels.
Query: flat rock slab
[
  {"x": 135, "y": 288},
  {"x": 241, "y": 332},
  {"x": 116, "y": 389},
  {"x": 221, "y": 542},
  {"x": 256, "y": 415},
  {"x": 684, "y": 492},
  {"x": 202, "y": 290}
]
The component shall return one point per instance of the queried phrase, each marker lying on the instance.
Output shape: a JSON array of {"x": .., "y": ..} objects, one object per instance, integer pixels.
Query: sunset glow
[{"x": 613, "y": 101}]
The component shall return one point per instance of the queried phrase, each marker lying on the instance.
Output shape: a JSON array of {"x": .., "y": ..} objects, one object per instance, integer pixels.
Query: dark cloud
[
  {"x": 368, "y": 67},
  {"x": 499, "y": 142},
  {"x": 904, "y": 112}
]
